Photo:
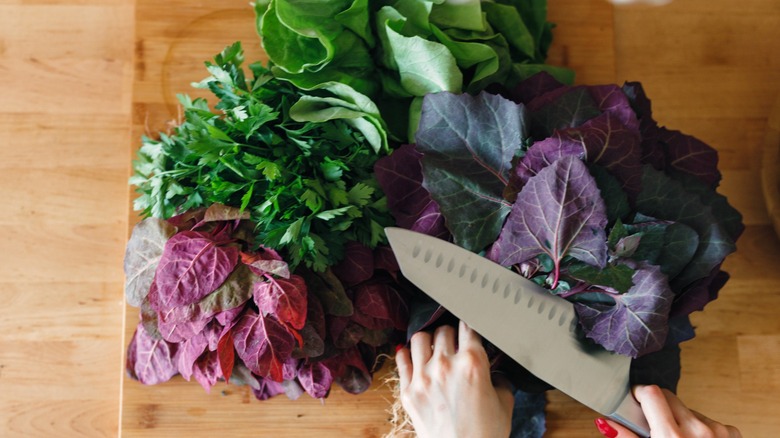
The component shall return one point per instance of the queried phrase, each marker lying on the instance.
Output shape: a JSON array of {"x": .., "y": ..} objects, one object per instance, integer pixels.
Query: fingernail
[
  {"x": 399, "y": 347},
  {"x": 605, "y": 429}
]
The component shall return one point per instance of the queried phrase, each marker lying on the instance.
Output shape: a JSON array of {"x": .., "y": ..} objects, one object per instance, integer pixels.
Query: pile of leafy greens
[
  {"x": 261, "y": 259},
  {"x": 397, "y": 51},
  {"x": 215, "y": 305},
  {"x": 580, "y": 190}
]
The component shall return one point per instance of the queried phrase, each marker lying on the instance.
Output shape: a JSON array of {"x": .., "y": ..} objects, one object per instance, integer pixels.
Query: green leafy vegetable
[
  {"x": 393, "y": 51},
  {"x": 299, "y": 164}
]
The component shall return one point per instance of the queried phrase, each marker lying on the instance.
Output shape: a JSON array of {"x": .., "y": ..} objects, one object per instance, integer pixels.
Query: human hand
[
  {"x": 669, "y": 418},
  {"x": 447, "y": 390}
]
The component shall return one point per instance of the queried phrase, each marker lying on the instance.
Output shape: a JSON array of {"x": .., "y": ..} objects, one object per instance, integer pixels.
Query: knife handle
[{"x": 630, "y": 414}]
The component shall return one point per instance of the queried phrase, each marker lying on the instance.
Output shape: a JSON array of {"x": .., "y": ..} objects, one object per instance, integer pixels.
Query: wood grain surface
[{"x": 83, "y": 79}]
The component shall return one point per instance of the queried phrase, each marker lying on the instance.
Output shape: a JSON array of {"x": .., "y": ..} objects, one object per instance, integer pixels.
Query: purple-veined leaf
[
  {"x": 666, "y": 199},
  {"x": 400, "y": 176},
  {"x": 349, "y": 371},
  {"x": 603, "y": 140},
  {"x": 267, "y": 388},
  {"x": 174, "y": 328},
  {"x": 611, "y": 99},
  {"x": 699, "y": 293},
  {"x": 344, "y": 332},
  {"x": 384, "y": 259},
  {"x": 242, "y": 376},
  {"x": 226, "y": 355},
  {"x": 285, "y": 298},
  {"x": 562, "y": 108},
  {"x": 560, "y": 213},
  {"x": 192, "y": 266},
  {"x": 533, "y": 87},
  {"x": 266, "y": 261},
  {"x": 263, "y": 343},
  {"x": 690, "y": 155},
  {"x": 357, "y": 265},
  {"x": 468, "y": 143},
  {"x": 313, "y": 343},
  {"x": 637, "y": 323},
  {"x": 180, "y": 323},
  {"x": 330, "y": 291},
  {"x": 189, "y": 352},
  {"x": 149, "y": 317},
  {"x": 228, "y": 318},
  {"x": 207, "y": 370},
  {"x": 652, "y": 152},
  {"x": 143, "y": 253},
  {"x": 150, "y": 361},
  {"x": 380, "y": 300},
  {"x": 315, "y": 378},
  {"x": 670, "y": 245},
  {"x": 232, "y": 293}
]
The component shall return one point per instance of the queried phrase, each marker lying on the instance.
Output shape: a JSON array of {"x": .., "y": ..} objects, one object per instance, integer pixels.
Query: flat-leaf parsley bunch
[{"x": 299, "y": 163}]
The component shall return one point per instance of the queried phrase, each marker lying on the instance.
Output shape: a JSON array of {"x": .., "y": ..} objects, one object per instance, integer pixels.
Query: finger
[
  {"x": 680, "y": 412},
  {"x": 656, "y": 409},
  {"x": 719, "y": 429},
  {"x": 444, "y": 340},
  {"x": 467, "y": 337},
  {"x": 421, "y": 349},
  {"x": 613, "y": 429},
  {"x": 403, "y": 361}
]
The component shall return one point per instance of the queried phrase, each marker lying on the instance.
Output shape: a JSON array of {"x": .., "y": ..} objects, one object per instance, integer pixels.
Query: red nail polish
[
  {"x": 605, "y": 429},
  {"x": 399, "y": 347}
]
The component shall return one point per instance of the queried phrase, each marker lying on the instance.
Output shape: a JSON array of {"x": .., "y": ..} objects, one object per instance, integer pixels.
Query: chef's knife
[{"x": 534, "y": 327}]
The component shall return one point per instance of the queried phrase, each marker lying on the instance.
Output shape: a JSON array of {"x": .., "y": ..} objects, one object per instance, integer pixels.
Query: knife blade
[{"x": 534, "y": 327}]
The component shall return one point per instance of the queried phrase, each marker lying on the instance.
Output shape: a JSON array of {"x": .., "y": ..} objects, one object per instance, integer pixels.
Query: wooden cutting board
[{"x": 173, "y": 39}]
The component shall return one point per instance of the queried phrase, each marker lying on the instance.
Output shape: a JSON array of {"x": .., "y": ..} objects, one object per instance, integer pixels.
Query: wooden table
[{"x": 174, "y": 37}]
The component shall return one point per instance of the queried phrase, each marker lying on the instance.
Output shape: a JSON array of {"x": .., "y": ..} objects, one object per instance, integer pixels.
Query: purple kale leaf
[
  {"x": 699, "y": 293},
  {"x": 690, "y": 155},
  {"x": 670, "y": 245},
  {"x": 400, "y": 176},
  {"x": 149, "y": 360},
  {"x": 263, "y": 344},
  {"x": 533, "y": 87},
  {"x": 637, "y": 323},
  {"x": 144, "y": 250},
  {"x": 468, "y": 143},
  {"x": 562, "y": 108},
  {"x": 558, "y": 213},
  {"x": 611, "y": 99},
  {"x": 192, "y": 266},
  {"x": 603, "y": 140},
  {"x": 667, "y": 199}
]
